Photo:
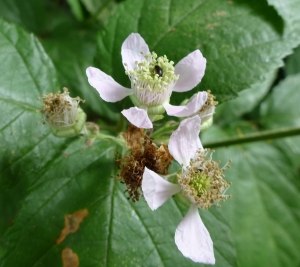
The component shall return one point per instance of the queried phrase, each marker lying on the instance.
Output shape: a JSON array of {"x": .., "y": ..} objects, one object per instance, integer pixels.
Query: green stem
[
  {"x": 117, "y": 140},
  {"x": 164, "y": 130},
  {"x": 254, "y": 137}
]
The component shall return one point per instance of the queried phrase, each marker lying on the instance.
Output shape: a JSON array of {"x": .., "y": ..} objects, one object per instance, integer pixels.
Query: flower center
[
  {"x": 200, "y": 183},
  {"x": 203, "y": 181},
  {"x": 153, "y": 79}
]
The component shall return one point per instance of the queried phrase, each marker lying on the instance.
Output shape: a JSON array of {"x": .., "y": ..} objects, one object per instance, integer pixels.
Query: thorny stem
[{"x": 254, "y": 137}]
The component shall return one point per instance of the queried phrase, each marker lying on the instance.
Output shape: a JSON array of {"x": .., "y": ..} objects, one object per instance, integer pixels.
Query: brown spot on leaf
[
  {"x": 72, "y": 222},
  {"x": 69, "y": 258}
]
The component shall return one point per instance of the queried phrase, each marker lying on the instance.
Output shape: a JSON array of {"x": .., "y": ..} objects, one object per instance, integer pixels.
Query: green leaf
[
  {"x": 25, "y": 13},
  {"x": 72, "y": 50},
  {"x": 115, "y": 228},
  {"x": 293, "y": 63},
  {"x": 38, "y": 16},
  {"x": 246, "y": 101},
  {"x": 242, "y": 40},
  {"x": 289, "y": 11},
  {"x": 100, "y": 9},
  {"x": 76, "y": 9},
  {"x": 264, "y": 210},
  {"x": 60, "y": 176},
  {"x": 71, "y": 46},
  {"x": 26, "y": 73},
  {"x": 281, "y": 109}
]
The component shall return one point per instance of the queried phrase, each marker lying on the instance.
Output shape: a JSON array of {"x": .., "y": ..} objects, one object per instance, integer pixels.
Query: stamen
[
  {"x": 153, "y": 79},
  {"x": 203, "y": 181}
]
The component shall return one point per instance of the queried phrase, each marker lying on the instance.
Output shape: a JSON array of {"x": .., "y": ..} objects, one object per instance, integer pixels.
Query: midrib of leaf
[
  {"x": 121, "y": 194},
  {"x": 110, "y": 222}
]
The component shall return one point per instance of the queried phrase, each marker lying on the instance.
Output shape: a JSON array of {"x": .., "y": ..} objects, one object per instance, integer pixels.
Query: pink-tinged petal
[
  {"x": 107, "y": 87},
  {"x": 131, "y": 50},
  {"x": 157, "y": 190},
  {"x": 193, "y": 239},
  {"x": 185, "y": 141},
  {"x": 191, "y": 108},
  {"x": 138, "y": 117},
  {"x": 191, "y": 70}
]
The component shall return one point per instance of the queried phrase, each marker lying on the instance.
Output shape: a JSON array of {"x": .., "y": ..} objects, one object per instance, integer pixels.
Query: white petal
[
  {"x": 157, "y": 190},
  {"x": 107, "y": 87},
  {"x": 191, "y": 70},
  {"x": 185, "y": 141},
  {"x": 131, "y": 50},
  {"x": 193, "y": 239},
  {"x": 191, "y": 108},
  {"x": 138, "y": 117}
]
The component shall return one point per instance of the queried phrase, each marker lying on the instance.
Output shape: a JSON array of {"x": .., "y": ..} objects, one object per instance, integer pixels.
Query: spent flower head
[
  {"x": 63, "y": 114},
  {"x": 143, "y": 152}
]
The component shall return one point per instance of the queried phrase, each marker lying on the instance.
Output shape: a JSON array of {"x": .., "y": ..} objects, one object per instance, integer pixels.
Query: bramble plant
[{"x": 175, "y": 144}]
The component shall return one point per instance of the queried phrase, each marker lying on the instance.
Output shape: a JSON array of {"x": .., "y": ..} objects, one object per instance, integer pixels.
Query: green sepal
[
  {"x": 180, "y": 197},
  {"x": 151, "y": 110},
  {"x": 135, "y": 100},
  {"x": 155, "y": 117},
  {"x": 206, "y": 124},
  {"x": 71, "y": 131}
]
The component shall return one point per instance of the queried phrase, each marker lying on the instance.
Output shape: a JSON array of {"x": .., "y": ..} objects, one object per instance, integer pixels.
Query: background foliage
[{"x": 46, "y": 45}]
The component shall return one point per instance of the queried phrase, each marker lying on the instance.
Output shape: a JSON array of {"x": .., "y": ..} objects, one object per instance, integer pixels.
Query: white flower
[
  {"x": 201, "y": 182},
  {"x": 153, "y": 79}
]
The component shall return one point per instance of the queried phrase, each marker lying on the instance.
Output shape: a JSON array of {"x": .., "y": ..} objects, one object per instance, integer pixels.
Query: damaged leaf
[
  {"x": 69, "y": 258},
  {"x": 72, "y": 222}
]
